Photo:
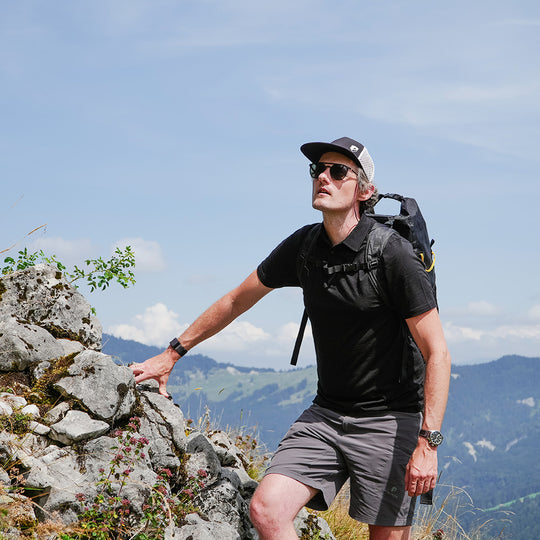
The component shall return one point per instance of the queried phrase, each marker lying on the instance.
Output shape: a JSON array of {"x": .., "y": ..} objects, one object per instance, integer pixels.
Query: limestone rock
[
  {"x": 172, "y": 416},
  {"x": 69, "y": 346},
  {"x": 200, "y": 529},
  {"x": 23, "y": 344},
  {"x": 39, "y": 429},
  {"x": 202, "y": 457},
  {"x": 161, "y": 449},
  {"x": 42, "y": 296},
  {"x": 222, "y": 503},
  {"x": 56, "y": 413},
  {"x": 105, "y": 389},
  {"x": 229, "y": 454},
  {"x": 32, "y": 410},
  {"x": 5, "y": 408},
  {"x": 77, "y": 426},
  {"x": 16, "y": 402}
]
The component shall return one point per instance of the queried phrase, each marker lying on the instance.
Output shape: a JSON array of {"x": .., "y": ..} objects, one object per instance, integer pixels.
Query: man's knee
[
  {"x": 264, "y": 507},
  {"x": 277, "y": 500},
  {"x": 389, "y": 533},
  {"x": 257, "y": 508}
]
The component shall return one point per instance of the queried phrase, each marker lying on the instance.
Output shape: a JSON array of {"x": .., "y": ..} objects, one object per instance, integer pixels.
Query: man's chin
[{"x": 319, "y": 205}]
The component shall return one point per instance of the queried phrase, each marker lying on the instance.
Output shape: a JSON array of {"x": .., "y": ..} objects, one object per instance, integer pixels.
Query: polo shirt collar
[{"x": 356, "y": 236}]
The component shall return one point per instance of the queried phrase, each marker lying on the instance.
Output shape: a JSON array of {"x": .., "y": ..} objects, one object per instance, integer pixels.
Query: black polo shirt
[{"x": 366, "y": 359}]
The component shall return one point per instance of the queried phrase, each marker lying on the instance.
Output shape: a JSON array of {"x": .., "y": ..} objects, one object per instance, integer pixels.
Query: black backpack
[{"x": 409, "y": 223}]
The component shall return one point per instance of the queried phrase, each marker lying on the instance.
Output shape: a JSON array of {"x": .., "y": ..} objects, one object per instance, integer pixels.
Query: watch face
[{"x": 435, "y": 438}]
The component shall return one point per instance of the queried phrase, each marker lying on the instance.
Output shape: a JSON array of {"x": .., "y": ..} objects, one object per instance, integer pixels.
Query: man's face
[{"x": 336, "y": 196}]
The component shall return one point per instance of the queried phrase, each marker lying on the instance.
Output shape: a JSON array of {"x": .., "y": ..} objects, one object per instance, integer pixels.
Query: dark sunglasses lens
[
  {"x": 338, "y": 171},
  {"x": 315, "y": 169}
]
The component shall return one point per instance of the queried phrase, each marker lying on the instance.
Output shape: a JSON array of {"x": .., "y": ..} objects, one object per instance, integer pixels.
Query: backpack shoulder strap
[
  {"x": 378, "y": 237},
  {"x": 305, "y": 249}
]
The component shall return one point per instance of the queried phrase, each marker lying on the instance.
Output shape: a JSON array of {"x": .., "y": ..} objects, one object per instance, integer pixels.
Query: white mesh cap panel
[{"x": 367, "y": 164}]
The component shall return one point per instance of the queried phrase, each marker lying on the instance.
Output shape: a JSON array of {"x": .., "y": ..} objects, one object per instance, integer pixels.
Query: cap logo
[{"x": 354, "y": 148}]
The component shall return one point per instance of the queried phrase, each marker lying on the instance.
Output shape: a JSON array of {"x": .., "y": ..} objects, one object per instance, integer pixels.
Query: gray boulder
[
  {"x": 41, "y": 295},
  {"x": 222, "y": 503},
  {"x": 106, "y": 390},
  {"x": 172, "y": 416},
  {"x": 24, "y": 344},
  {"x": 200, "y": 529},
  {"x": 77, "y": 426},
  {"x": 161, "y": 449},
  {"x": 202, "y": 457}
]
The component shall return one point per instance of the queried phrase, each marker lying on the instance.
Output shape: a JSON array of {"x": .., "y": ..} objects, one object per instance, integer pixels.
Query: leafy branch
[{"x": 98, "y": 275}]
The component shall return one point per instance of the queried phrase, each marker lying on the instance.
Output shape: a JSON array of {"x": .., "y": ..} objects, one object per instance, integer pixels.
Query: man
[{"x": 376, "y": 418}]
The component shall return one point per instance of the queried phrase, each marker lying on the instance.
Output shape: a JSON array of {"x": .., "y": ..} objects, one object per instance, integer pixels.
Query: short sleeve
[
  {"x": 279, "y": 269},
  {"x": 409, "y": 285}
]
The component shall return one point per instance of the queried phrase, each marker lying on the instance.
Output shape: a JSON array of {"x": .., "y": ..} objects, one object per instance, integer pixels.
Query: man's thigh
[{"x": 283, "y": 496}]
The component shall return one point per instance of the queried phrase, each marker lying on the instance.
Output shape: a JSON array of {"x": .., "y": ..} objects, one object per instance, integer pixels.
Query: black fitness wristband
[{"x": 177, "y": 346}]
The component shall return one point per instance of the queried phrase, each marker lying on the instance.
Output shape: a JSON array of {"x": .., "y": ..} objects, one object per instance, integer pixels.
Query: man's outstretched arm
[{"x": 215, "y": 318}]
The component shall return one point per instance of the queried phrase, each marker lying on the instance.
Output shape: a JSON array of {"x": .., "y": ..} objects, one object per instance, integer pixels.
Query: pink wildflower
[{"x": 188, "y": 492}]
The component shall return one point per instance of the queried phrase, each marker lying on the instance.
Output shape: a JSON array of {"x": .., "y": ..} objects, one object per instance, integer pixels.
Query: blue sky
[{"x": 175, "y": 127}]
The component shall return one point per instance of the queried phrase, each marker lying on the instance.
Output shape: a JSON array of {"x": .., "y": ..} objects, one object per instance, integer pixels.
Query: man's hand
[
  {"x": 421, "y": 475},
  {"x": 158, "y": 367}
]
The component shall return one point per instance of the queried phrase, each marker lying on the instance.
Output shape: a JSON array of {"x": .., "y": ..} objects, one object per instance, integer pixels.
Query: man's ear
[{"x": 364, "y": 196}]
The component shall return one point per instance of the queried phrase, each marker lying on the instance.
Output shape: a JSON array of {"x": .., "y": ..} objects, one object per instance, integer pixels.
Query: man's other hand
[{"x": 421, "y": 475}]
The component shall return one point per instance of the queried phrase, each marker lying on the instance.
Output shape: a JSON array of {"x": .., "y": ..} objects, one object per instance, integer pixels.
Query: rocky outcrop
[
  {"x": 41, "y": 296},
  {"x": 76, "y": 431}
]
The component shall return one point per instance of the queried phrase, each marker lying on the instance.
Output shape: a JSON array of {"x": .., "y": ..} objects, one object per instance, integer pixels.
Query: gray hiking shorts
[{"x": 322, "y": 449}]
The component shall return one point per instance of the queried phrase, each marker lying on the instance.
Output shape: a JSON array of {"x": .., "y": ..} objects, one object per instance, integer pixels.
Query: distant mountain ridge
[{"x": 491, "y": 427}]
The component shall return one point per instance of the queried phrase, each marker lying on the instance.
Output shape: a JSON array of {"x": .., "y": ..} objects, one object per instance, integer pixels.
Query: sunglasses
[{"x": 337, "y": 170}]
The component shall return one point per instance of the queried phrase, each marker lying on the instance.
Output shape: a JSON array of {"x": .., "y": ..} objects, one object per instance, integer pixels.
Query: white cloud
[
  {"x": 482, "y": 308},
  {"x": 486, "y": 444},
  {"x": 238, "y": 336},
  {"x": 455, "y": 333},
  {"x": 148, "y": 254},
  {"x": 527, "y": 401},
  {"x": 471, "y": 449},
  {"x": 286, "y": 334},
  {"x": 156, "y": 326}
]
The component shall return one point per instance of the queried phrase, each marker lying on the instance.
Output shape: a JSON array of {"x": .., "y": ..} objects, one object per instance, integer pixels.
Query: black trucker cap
[{"x": 348, "y": 147}]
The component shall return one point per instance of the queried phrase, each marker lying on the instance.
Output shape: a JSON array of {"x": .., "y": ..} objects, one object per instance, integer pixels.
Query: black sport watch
[
  {"x": 178, "y": 347},
  {"x": 434, "y": 438}
]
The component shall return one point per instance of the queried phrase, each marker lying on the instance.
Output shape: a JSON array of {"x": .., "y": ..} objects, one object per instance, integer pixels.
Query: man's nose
[{"x": 325, "y": 174}]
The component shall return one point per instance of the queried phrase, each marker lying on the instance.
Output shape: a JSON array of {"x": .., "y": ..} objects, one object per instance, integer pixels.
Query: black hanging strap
[{"x": 299, "y": 338}]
